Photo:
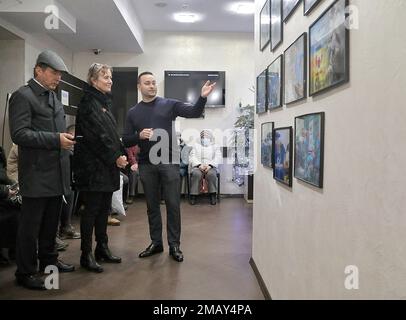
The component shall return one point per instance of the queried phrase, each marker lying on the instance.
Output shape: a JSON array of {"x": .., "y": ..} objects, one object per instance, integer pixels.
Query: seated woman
[
  {"x": 204, "y": 159},
  {"x": 9, "y": 211}
]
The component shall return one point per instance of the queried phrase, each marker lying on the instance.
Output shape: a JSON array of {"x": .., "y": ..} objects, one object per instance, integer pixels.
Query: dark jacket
[
  {"x": 94, "y": 157},
  {"x": 35, "y": 124}
]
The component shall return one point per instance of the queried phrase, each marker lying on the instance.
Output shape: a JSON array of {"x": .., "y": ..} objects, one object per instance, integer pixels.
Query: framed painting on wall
[
  {"x": 309, "y": 5},
  {"x": 266, "y": 144},
  {"x": 265, "y": 25},
  {"x": 295, "y": 70},
  {"x": 282, "y": 155},
  {"x": 289, "y": 6},
  {"x": 329, "y": 49},
  {"x": 274, "y": 83},
  {"x": 276, "y": 24},
  {"x": 309, "y": 148},
  {"x": 261, "y": 105}
]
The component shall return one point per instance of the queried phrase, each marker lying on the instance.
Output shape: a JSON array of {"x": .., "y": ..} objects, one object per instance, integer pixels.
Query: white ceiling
[
  {"x": 216, "y": 16},
  {"x": 100, "y": 24}
]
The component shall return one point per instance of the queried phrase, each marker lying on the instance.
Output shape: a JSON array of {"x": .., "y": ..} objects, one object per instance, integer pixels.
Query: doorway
[{"x": 125, "y": 94}]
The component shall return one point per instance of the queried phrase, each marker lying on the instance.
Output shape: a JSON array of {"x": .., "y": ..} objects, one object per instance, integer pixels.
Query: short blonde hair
[{"x": 95, "y": 70}]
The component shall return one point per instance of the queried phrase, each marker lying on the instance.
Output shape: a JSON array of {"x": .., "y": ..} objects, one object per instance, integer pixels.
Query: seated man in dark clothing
[{"x": 9, "y": 211}]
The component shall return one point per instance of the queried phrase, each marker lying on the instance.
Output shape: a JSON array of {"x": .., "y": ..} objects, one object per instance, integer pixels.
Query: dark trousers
[
  {"x": 152, "y": 177},
  {"x": 125, "y": 186},
  {"x": 67, "y": 209},
  {"x": 9, "y": 216},
  {"x": 94, "y": 216},
  {"x": 133, "y": 183},
  {"x": 37, "y": 229}
]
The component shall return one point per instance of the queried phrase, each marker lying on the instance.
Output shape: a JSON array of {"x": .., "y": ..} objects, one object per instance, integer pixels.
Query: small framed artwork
[
  {"x": 276, "y": 24},
  {"x": 289, "y": 7},
  {"x": 282, "y": 155},
  {"x": 309, "y": 148},
  {"x": 309, "y": 5},
  {"x": 295, "y": 70},
  {"x": 329, "y": 49},
  {"x": 274, "y": 83},
  {"x": 265, "y": 25},
  {"x": 266, "y": 144},
  {"x": 261, "y": 106}
]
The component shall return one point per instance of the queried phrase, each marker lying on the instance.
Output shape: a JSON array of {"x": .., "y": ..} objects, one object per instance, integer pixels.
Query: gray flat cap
[{"x": 53, "y": 60}]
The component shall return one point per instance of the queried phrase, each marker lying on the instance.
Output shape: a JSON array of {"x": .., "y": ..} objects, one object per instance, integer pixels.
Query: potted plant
[{"x": 243, "y": 144}]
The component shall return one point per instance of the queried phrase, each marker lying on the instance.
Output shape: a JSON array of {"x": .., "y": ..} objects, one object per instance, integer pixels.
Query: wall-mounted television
[
  {"x": 186, "y": 86},
  {"x": 70, "y": 92}
]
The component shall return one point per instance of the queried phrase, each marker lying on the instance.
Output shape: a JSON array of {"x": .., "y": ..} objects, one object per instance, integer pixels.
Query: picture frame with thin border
[
  {"x": 261, "y": 94},
  {"x": 275, "y": 84},
  {"x": 283, "y": 155},
  {"x": 276, "y": 24},
  {"x": 289, "y": 7},
  {"x": 265, "y": 25},
  {"x": 310, "y": 5},
  {"x": 266, "y": 144},
  {"x": 309, "y": 148},
  {"x": 329, "y": 49},
  {"x": 295, "y": 71}
]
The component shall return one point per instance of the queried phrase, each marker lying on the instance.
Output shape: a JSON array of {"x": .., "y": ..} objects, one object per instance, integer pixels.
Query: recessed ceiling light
[
  {"x": 243, "y": 7},
  {"x": 161, "y": 4},
  {"x": 186, "y": 17}
]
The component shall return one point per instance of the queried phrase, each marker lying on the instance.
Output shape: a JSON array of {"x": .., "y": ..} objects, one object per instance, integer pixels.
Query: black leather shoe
[
  {"x": 62, "y": 267},
  {"x": 213, "y": 199},
  {"x": 151, "y": 250},
  {"x": 192, "y": 200},
  {"x": 88, "y": 262},
  {"x": 31, "y": 282},
  {"x": 103, "y": 253},
  {"x": 176, "y": 254}
]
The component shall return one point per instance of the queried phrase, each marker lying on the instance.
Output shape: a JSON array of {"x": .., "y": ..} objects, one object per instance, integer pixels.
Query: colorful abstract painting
[{"x": 309, "y": 146}]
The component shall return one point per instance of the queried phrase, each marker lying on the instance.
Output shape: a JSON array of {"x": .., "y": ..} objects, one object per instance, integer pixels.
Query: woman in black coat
[{"x": 97, "y": 159}]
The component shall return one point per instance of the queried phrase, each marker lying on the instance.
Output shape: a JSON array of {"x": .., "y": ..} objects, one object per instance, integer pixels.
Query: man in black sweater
[{"x": 150, "y": 125}]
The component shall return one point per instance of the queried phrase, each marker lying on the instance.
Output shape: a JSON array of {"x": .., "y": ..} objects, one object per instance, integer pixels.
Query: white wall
[
  {"x": 11, "y": 77},
  {"x": 303, "y": 238},
  {"x": 34, "y": 44},
  {"x": 230, "y": 52},
  {"x": 18, "y": 59}
]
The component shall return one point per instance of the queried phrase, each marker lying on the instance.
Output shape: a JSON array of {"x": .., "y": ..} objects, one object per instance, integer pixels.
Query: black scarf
[{"x": 105, "y": 99}]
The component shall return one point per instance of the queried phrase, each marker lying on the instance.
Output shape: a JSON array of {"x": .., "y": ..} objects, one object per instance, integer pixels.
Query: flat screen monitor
[
  {"x": 186, "y": 86},
  {"x": 70, "y": 92}
]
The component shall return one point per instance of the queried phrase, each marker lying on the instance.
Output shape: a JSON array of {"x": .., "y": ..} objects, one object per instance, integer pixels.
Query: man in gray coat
[{"x": 37, "y": 126}]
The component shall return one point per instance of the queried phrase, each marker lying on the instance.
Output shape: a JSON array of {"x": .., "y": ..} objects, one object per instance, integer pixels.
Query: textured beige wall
[
  {"x": 11, "y": 77},
  {"x": 303, "y": 238}
]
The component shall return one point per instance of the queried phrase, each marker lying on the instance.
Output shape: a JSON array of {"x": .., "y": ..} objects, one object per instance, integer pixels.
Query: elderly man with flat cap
[{"x": 37, "y": 126}]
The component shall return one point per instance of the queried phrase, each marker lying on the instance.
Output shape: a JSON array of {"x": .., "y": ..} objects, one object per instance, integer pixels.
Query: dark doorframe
[{"x": 125, "y": 93}]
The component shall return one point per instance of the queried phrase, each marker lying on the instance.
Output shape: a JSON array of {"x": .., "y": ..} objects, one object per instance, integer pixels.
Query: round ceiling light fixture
[
  {"x": 186, "y": 17},
  {"x": 160, "y": 4},
  {"x": 243, "y": 7}
]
